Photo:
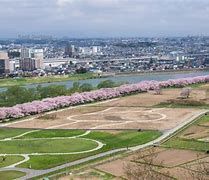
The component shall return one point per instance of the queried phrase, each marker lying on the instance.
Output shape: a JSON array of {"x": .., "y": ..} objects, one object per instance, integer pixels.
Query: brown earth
[
  {"x": 113, "y": 118},
  {"x": 173, "y": 161},
  {"x": 121, "y": 113},
  {"x": 148, "y": 100},
  {"x": 195, "y": 132},
  {"x": 204, "y": 124}
]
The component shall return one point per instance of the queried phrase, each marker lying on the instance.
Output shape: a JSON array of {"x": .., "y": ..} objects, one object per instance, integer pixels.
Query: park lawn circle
[
  {"x": 29, "y": 146},
  {"x": 9, "y": 175}
]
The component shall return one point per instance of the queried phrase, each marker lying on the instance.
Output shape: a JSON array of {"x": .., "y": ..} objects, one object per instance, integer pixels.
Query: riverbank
[
  {"x": 94, "y": 79},
  {"x": 46, "y": 79},
  {"x": 177, "y": 71}
]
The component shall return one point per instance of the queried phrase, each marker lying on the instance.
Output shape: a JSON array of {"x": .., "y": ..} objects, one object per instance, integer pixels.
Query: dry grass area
[
  {"x": 89, "y": 174},
  {"x": 170, "y": 161},
  {"x": 195, "y": 132},
  {"x": 113, "y": 118},
  {"x": 131, "y": 112},
  {"x": 149, "y": 100}
]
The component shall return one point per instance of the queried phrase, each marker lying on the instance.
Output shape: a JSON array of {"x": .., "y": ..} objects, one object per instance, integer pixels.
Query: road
[{"x": 34, "y": 173}]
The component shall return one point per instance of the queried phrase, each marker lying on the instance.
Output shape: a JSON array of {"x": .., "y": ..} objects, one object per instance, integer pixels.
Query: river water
[{"x": 129, "y": 78}]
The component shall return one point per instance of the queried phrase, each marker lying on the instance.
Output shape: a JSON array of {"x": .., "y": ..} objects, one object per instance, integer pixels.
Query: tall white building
[
  {"x": 31, "y": 59},
  {"x": 38, "y": 55},
  {"x": 70, "y": 50},
  {"x": 94, "y": 50},
  {"x": 26, "y": 53}
]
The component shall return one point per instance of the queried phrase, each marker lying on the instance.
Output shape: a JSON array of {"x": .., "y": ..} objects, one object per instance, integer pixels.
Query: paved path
[{"x": 33, "y": 173}]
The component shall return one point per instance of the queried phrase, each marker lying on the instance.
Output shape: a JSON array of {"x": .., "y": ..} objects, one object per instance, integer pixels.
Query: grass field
[
  {"x": 10, "y": 175},
  {"x": 112, "y": 141},
  {"x": 64, "y": 141},
  {"x": 49, "y": 79},
  {"x": 46, "y": 146},
  {"x": 52, "y": 134},
  {"x": 7, "y": 133},
  {"x": 9, "y": 160},
  {"x": 179, "y": 142}
]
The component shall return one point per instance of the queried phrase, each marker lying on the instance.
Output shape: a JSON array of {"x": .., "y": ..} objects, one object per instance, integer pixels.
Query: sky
[{"x": 104, "y": 18}]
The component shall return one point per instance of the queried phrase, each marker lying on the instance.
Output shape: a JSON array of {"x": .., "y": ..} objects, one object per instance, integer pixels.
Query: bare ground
[
  {"x": 195, "y": 132},
  {"x": 122, "y": 113},
  {"x": 173, "y": 161}
]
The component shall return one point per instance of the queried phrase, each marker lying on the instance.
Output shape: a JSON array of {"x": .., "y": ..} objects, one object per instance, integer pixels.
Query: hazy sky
[{"x": 103, "y": 18}]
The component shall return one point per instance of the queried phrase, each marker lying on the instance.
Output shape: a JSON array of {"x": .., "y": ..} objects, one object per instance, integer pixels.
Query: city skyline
[{"x": 104, "y": 18}]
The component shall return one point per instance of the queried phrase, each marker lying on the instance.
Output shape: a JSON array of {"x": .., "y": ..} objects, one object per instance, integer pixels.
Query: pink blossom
[{"x": 49, "y": 104}]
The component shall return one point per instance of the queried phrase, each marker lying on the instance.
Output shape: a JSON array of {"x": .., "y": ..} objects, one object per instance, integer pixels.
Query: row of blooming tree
[{"x": 37, "y": 107}]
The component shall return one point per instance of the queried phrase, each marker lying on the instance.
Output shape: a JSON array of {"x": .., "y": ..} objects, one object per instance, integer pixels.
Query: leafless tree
[
  {"x": 185, "y": 93},
  {"x": 158, "y": 91},
  {"x": 201, "y": 170},
  {"x": 142, "y": 167}
]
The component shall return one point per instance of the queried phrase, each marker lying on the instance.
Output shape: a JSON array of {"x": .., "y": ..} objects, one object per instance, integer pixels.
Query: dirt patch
[
  {"x": 177, "y": 173},
  {"x": 173, "y": 157},
  {"x": 204, "y": 124},
  {"x": 88, "y": 174},
  {"x": 113, "y": 118},
  {"x": 121, "y": 113},
  {"x": 195, "y": 132},
  {"x": 172, "y": 160},
  {"x": 148, "y": 100},
  {"x": 115, "y": 168}
]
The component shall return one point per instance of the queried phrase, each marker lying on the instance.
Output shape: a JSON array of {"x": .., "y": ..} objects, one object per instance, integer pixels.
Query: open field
[
  {"x": 170, "y": 162},
  {"x": 52, "y": 139},
  {"x": 131, "y": 112},
  {"x": 113, "y": 118},
  {"x": 49, "y": 148},
  {"x": 181, "y": 157},
  {"x": 9, "y": 160},
  {"x": 194, "y": 137},
  {"x": 10, "y": 175}
]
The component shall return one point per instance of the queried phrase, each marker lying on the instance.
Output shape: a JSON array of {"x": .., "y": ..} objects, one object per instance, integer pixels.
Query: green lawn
[
  {"x": 46, "y": 146},
  {"x": 9, "y": 160},
  {"x": 53, "y": 133},
  {"x": 35, "y": 145},
  {"x": 8, "y": 133},
  {"x": 46, "y": 161},
  {"x": 123, "y": 139},
  {"x": 10, "y": 175},
  {"x": 35, "y": 80},
  {"x": 112, "y": 141},
  {"x": 178, "y": 143}
]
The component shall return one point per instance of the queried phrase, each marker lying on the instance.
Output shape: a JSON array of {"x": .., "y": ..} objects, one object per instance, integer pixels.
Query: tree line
[{"x": 18, "y": 94}]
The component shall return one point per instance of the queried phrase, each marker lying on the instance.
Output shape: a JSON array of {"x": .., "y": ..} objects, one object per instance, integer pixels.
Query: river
[{"x": 128, "y": 78}]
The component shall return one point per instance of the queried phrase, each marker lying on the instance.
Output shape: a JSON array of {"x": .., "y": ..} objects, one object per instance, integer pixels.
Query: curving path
[{"x": 33, "y": 173}]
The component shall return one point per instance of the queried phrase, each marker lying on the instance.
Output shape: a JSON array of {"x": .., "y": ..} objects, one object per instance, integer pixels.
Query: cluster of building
[
  {"x": 74, "y": 52},
  {"x": 45, "y": 55},
  {"x": 28, "y": 60}
]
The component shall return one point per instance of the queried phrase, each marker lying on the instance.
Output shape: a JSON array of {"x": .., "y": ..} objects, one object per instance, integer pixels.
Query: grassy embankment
[
  {"x": 49, "y": 79},
  {"x": 179, "y": 142}
]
